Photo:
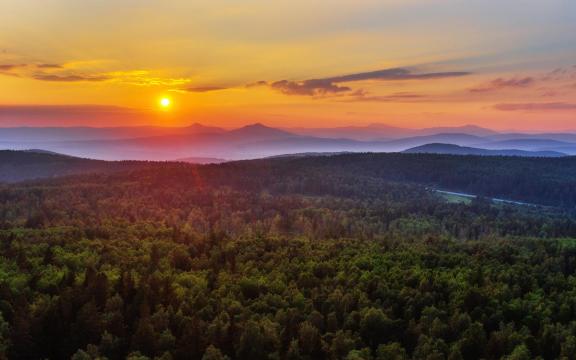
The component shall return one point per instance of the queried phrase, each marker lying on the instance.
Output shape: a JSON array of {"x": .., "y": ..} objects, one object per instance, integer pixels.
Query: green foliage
[{"x": 260, "y": 261}]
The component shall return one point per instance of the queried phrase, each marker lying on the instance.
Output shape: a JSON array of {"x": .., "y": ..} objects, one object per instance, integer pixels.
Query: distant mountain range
[
  {"x": 202, "y": 142},
  {"x": 384, "y": 132},
  {"x": 463, "y": 150}
]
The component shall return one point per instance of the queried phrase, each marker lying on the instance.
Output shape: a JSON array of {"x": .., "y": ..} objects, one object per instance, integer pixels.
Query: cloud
[
  {"x": 47, "y": 72},
  {"x": 331, "y": 85},
  {"x": 559, "y": 74},
  {"x": 49, "y": 66},
  {"x": 308, "y": 87},
  {"x": 145, "y": 78},
  {"x": 257, "y": 83},
  {"x": 396, "y": 97},
  {"x": 556, "y": 106},
  {"x": 10, "y": 67},
  {"x": 14, "y": 67},
  {"x": 68, "y": 78},
  {"x": 69, "y": 72},
  {"x": 395, "y": 74},
  {"x": 500, "y": 83},
  {"x": 203, "y": 89}
]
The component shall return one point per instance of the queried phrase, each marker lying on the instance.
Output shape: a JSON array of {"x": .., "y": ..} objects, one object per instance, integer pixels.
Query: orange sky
[{"x": 503, "y": 64}]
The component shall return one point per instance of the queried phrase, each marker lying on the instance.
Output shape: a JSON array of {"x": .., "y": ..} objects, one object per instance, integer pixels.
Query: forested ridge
[
  {"x": 37, "y": 164},
  {"x": 341, "y": 257}
]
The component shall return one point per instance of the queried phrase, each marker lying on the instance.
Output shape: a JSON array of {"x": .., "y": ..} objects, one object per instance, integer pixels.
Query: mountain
[
  {"x": 566, "y": 137},
  {"x": 386, "y": 132},
  {"x": 30, "y": 135},
  {"x": 528, "y": 144},
  {"x": 258, "y": 140},
  {"x": 451, "y": 149},
  {"x": 531, "y": 144},
  {"x": 248, "y": 142},
  {"x": 568, "y": 149},
  {"x": 37, "y": 164},
  {"x": 465, "y": 129},
  {"x": 259, "y": 131},
  {"x": 449, "y": 138},
  {"x": 252, "y": 141},
  {"x": 362, "y": 133}
]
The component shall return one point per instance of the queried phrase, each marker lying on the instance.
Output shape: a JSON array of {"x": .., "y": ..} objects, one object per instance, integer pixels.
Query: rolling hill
[
  {"x": 38, "y": 164},
  {"x": 438, "y": 148}
]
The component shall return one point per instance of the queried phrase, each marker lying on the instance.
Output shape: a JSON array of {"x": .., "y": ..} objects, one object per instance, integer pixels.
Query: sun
[{"x": 165, "y": 102}]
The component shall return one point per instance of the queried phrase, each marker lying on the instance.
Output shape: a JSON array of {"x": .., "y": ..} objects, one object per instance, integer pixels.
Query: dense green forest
[
  {"x": 543, "y": 181},
  {"x": 342, "y": 257}
]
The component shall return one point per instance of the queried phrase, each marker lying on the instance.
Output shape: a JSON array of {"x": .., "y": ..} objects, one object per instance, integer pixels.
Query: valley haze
[{"x": 205, "y": 144}]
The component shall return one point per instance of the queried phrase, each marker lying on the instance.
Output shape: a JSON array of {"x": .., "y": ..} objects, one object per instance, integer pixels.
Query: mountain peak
[
  {"x": 260, "y": 129},
  {"x": 201, "y": 128},
  {"x": 256, "y": 126}
]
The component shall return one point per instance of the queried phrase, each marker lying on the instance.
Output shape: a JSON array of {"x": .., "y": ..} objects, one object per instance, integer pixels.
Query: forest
[{"x": 351, "y": 256}]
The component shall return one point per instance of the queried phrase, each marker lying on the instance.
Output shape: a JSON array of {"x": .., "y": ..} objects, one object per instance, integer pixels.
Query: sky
[{"x": 501, "y": 64}]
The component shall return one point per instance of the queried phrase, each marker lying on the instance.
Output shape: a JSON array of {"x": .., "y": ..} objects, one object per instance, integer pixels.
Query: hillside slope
[
  {"x": 27, "y": 165},
  {"x": 439, "y": 148}
]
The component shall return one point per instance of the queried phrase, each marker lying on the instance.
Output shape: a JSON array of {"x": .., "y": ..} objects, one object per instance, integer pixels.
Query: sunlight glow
[{"x": 165, "y": 102}]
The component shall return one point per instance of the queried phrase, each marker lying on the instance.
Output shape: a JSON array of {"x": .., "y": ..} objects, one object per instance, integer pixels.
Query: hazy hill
[
  {"x": 258, "y": 140},
  {"x": 258, "y": 131},
  {"x": 252, "y": 141},
  {"x": 445, "y": 138},
  {"x": 466, "y": 129},
  {"x": 56, "y": 134},
  {"x": 528, "y": 144},
  {"x": 438, "y": 148},
  {"x": 533, "y": 144},
  {"x": 363, "y": 133},
  {"x": 386, "y": 132},
  {"x": 566, "y": 137}
]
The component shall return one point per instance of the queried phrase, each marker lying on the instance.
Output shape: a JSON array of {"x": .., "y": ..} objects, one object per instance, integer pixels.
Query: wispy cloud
[
  {"x": 145, "y": 78},
  {"x": 332, "y": 85},
  {"x": 24, "y": 69},
  {"x": 555, "y": 106},
  {"x": 308, "y": 87},
  {"x": 501, "y": 83},
  {"x": 48, "y": 72},
  {"x": 203, "y": 89},
  {"x": 74, "y": 72},
  {"x": 49, "y": 66},
  {"x": 69, "y": 78},
  {"x": 10, "y": 67},
  {"x": 395, "y": 74},
  {"x": 396, "y": 97},
  {"x": 563, "y": 73}
]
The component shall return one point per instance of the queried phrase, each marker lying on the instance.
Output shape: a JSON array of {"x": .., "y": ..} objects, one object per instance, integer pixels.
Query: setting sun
[{"x": 165, "y": 102}]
